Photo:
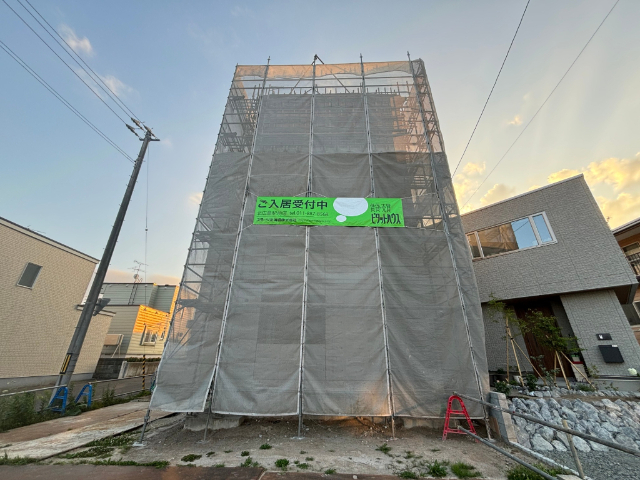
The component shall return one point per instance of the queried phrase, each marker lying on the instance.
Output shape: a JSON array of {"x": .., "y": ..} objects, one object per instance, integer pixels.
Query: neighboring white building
[{"x": 42, "y": 283}]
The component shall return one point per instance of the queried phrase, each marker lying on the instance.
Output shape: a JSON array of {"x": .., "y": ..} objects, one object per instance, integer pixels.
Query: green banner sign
[{"x": 344, "y": 212}]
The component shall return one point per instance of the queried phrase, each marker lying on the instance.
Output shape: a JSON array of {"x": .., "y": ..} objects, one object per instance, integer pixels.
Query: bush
[
  {"x": 384, "y": 448},
  {"x": 531, "y": 381},
  {"x": 282, "y": 463},
  {"x": 464, "y": 470},
  {"x": 24, "y": 409},
  {"x": 330, "y": 471},
  {"x": 502, "y": 387},
  {"x": 16, "y": 460},
  {"x": 265, "y": 446},
  {"x": 523, "y": 473},
  {"x": 245, "y": 453}
]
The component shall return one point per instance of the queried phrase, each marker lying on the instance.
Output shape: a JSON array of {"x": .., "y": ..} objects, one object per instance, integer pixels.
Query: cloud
[
  {"x": 562, "y": 175},
  {"x": 195, "y": 198},
  {"x": 498, "y": 192},
  {"x": 517, "y": 120},
  {"x": 79, "y": 45},
  {"x": 622, "y": 209},
  {"x": 473, "y": 169},
  {"x": 116, "y": 85},
  {"x": 238, "y": 11},
  {"x": 619, "y": 174},
  {"x": 122, "y": 276}
]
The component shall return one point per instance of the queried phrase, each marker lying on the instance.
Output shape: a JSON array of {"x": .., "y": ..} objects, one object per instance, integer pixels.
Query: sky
[{"x": 172, "y": 64}]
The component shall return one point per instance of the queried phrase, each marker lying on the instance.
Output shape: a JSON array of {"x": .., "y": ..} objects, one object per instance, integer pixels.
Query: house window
[
  {"x": 29, "y": 275},
  {"x": 527, "y": 232},
  {"x": 149, "y": 337},
  {"x": 631, "y": 249}
]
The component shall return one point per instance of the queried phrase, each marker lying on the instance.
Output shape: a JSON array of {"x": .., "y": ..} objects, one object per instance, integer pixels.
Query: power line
[
  {"x": 32, "y": 72},
  {"x": 113, "y": 95},
  {"x": 494, "y": 86},
  {"x": 68, "y": 66},
  {"x": 543, "y": 104}
]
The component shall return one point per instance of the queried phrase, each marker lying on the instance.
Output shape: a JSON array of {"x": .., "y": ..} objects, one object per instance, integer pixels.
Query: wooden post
[{"x": 562, "y": 369}]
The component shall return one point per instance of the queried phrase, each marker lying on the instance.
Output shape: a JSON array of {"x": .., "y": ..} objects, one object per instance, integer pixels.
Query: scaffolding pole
[{"x": 375, "y": 230}]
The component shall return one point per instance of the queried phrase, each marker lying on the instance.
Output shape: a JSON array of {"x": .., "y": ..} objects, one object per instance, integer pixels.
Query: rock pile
[{"x": 617, "y": 421}]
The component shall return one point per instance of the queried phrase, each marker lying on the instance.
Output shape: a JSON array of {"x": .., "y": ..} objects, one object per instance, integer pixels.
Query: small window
[
  {"x": 473, "y": 244},
  {"x": 29, "y": 275},
  {"x": 543, "y": 229}
]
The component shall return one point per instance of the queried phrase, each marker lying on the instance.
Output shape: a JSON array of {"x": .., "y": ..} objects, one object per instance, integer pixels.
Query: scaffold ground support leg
[{"x": 140, "y": 442}]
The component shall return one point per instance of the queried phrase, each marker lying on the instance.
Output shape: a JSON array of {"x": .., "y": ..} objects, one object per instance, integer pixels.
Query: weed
[
  {"x": 219, "y": 465},
  {"x": 296, "y": 462},
  {"x": 98, "y": 452},
  {"x": 118, "y": 441},
  {"x": 437, "y": 469},
  {"x": 502, "y": 387},
  {"x": 409, "y": 454},
  {"x": 407, "y": 474},
  {"x": 585, "y": 387},
  {"x": 384, "y": 448},
  {"x": 282, "y": 463},
  {"x": 16, "y": 460},
  {"x": 228, "y": 451},
  {"x": 435, "y": 449},
  {"x": 191, "y": 457},
  {"x": 329, "y": 450},
  {"x": 265, "y": 446},
  {"x": 398, "y": 461},
  {"x": 125, "y": 463},
  {"x": 303, "y": 466},
  {"x": 464, "y": 470},
  {"x": 245, "y": 453},
  {"x": 209, "y": 454},
  {"x": 309, "y": 459},
  {"x": 531, "y": 381},
  {"x": 330, "y": 471},
  {"x": 523, "y": 473},
  {"x": 249, "y": 463},
  {"x": 302, "y": 452}
]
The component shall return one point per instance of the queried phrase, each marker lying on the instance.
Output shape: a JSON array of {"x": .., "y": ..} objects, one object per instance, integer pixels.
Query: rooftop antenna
[{"x": 136, "y": 269}]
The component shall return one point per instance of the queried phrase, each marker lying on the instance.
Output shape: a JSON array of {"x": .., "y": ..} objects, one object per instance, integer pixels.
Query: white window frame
[
  {"x": 34, "y": 280},
  {"x": 553, "y": 241},
  {"x": 144, "y": 334}
]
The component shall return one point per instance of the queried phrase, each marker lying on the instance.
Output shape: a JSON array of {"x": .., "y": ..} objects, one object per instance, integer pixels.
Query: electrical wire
[
  {"x": 494, "y": 86},
  {"x": 62, "y": 60},
  {"x": 146, "y": 214},
  {"x": 32, "y": 72},
  {"x": 71, "y": 52},
  {"x": 543, "y": 104}
]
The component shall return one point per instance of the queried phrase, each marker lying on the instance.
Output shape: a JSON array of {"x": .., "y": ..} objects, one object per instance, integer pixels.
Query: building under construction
[{"x": 285, "y": 315}]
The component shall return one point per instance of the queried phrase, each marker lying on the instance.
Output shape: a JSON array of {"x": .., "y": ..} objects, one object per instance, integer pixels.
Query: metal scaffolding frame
[{"x": 362, "y": 129}]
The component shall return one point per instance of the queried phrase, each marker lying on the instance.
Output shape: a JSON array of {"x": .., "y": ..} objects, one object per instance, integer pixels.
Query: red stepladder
[{"x": 447, "y": 418}]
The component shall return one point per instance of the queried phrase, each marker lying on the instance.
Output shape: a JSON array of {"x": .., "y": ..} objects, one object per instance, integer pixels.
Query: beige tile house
[{"x": 42, "y": 282}]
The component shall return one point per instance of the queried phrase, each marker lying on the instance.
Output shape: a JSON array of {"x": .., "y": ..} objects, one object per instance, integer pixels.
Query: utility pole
[{"x": 89, "y": 309}]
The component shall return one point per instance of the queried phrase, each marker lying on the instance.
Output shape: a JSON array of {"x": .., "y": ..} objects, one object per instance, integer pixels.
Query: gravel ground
[{"x": 602, "y": 465}]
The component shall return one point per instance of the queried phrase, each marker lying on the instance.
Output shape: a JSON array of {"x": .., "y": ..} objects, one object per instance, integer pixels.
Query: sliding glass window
[{"x": 527, "y": 232}]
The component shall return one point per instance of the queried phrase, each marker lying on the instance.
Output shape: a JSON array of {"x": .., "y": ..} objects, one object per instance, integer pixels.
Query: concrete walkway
[{"x": 46, "y": 439}]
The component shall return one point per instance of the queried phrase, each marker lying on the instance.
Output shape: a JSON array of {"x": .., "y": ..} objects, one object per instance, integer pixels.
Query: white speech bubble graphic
[{"x": 349, "y": 207}]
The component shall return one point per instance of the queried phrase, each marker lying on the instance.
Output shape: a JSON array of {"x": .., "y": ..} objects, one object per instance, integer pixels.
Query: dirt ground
[{"x": 346, "y": 446}]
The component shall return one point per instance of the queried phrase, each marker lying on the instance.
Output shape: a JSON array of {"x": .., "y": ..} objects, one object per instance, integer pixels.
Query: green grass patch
[
  {"x": 97, "y": 452},
  {"x": 219, "y": 465},
  {"x": 407, "y": 474},
  {"x": 303, "y": 466},
  {"x": 384, "y": 448},
  {"x": 125, "y": 463},
  {"x": 437, "y": 469},
  {"x": 265, "y": 446},
  {"x": 210, "y": 454},
  {"x": 228, "y": 451},
  {"x": 521, "y": 472},
  {"x": 244, "y": 453},
  {"x": 191, "y": 457},
  {"x": 330, "y": 471},
  {"x": 302, "y": 452},
  {"x": 16, "y": 460},
  {"x": 282, "y": 463},
  {"x": 309, "y": 459},
  {"x": 464, "y": 470}
]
